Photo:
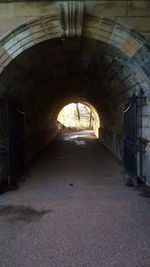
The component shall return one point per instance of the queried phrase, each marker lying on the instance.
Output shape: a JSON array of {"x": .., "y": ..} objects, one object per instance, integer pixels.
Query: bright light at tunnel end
[{"x": 79, "y": 116}]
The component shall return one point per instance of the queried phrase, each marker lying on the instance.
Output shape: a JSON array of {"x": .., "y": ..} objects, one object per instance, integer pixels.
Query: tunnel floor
[{"x": 73, "y": 210}]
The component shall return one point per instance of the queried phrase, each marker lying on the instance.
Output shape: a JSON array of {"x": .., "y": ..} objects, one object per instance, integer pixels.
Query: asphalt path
[{"x": 73, "y": 210}]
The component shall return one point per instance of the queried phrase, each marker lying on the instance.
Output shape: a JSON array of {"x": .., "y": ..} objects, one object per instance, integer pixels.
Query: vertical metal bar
[
  {"x": 8, "y": 143},
  {"x": 130, "y": 142},
  {"x": 136, "y": 138},
  {"x": 141, "y": 150}
]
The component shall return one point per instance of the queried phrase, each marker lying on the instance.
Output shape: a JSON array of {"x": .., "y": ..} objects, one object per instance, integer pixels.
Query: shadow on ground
[{"x": 27, "y": 214}]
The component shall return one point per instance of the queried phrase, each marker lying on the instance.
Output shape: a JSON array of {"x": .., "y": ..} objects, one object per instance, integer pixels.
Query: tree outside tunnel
[
  {"x": 73, "y": 51},
  {"x": 80, "y": 116}
]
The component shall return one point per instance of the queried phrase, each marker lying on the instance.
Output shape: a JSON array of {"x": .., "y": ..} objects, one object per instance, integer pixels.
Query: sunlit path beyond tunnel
[{"x": 73, "y": 210}]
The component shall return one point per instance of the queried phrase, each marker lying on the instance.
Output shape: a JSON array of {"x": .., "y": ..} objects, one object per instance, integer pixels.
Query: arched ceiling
[
  {"x": 74, "y": 21},
  {"x": 70, "y": 24},
  {"x": 51, "y": 74},
  {"x": 74, "y": 51}
]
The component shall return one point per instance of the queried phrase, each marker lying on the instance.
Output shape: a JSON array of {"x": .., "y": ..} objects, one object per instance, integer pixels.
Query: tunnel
[
  {"x": 51, "y": 61},
  {"x": 74, "y": 195}
]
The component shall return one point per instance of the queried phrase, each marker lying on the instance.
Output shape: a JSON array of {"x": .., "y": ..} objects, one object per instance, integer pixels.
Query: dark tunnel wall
[{"x": 49, "y": 75}]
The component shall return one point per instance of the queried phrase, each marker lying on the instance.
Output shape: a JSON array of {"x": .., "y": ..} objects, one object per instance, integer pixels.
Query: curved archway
[
  {"x": 38, "y": 76},
  {"x": 73, "y": 205},
  {"x": 48, "y": 62},
  {"x": 88, "y": 119},
  {"x": 129, "y": 46},
  {"x": 40, "y": 29}
]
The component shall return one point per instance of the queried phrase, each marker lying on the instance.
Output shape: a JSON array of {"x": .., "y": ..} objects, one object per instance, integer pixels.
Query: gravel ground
[{"x": 72, "y": 210}]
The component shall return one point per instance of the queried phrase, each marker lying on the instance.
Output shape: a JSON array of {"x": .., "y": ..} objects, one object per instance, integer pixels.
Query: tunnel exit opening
[
  {"x": 97, "y": 69},
  {"x": 79, "y": 116}
]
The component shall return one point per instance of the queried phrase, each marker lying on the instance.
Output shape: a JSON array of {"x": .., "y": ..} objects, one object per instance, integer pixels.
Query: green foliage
[{"x": 143, "y": 141}]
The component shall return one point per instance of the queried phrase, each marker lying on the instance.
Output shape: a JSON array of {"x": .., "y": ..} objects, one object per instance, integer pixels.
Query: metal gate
[
  {"x": 131, "y": 138},
  {"x": 11, "y": 141}
]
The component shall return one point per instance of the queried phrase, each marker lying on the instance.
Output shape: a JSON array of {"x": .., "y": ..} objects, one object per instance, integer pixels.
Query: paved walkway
[{"x": 73, "y": 210}]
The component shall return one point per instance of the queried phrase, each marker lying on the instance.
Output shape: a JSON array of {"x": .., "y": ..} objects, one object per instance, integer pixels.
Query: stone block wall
[{"x": 113, "y": 141}]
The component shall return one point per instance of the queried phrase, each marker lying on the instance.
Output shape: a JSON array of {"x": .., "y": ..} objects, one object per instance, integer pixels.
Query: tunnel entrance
[
  {"x": 104, "y": 62},
  {"x": 78, "y": 116}
]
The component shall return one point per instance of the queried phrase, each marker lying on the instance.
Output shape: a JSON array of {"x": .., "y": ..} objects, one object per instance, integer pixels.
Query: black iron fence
[{"x": 11, "y": 141}]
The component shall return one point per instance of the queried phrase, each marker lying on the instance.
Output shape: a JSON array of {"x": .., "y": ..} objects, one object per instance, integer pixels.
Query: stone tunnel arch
[
  {"x": 31, "y": 33},
  {"x": 105, "y": 66}
]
